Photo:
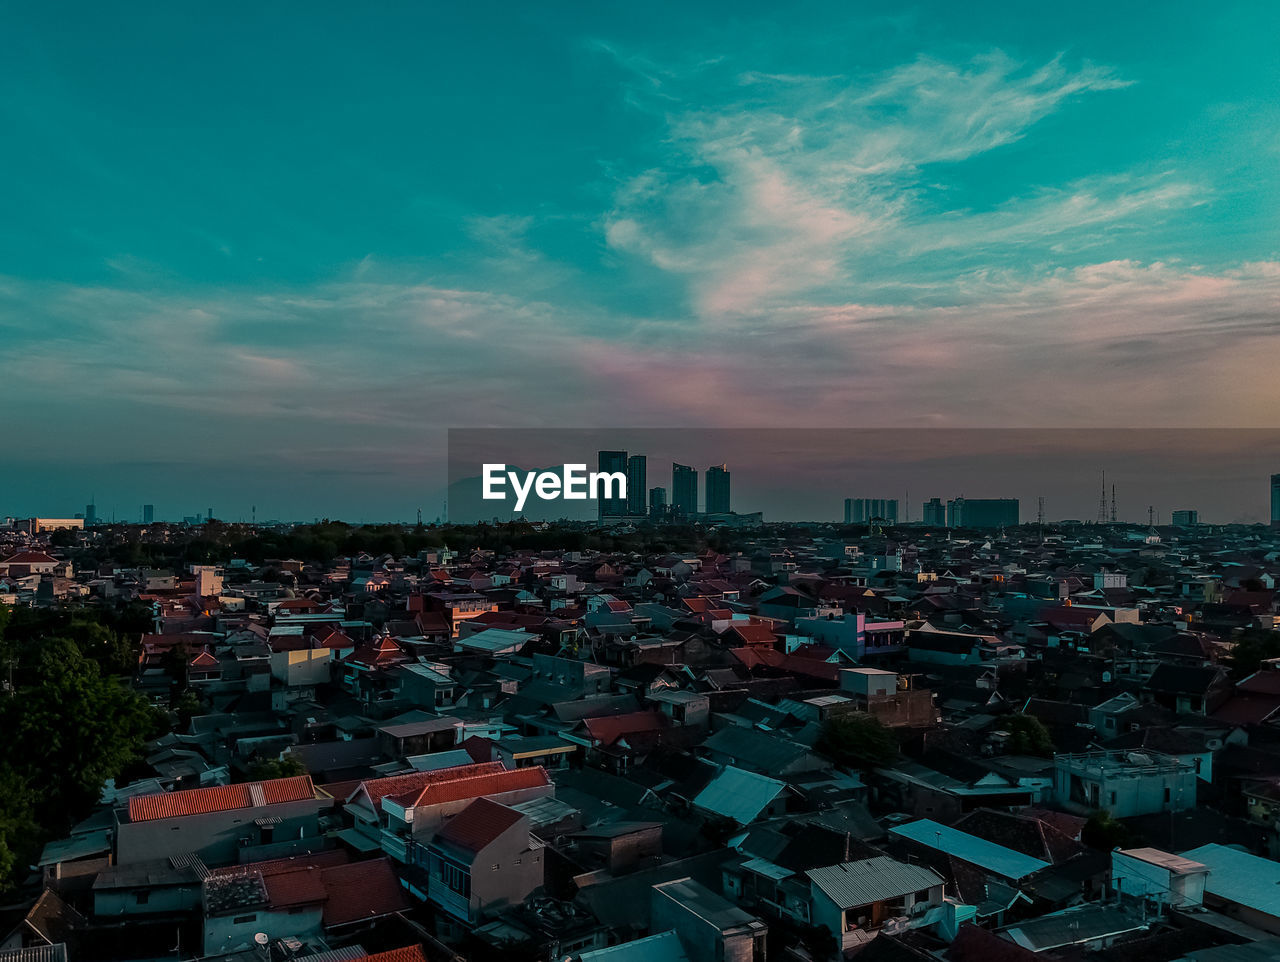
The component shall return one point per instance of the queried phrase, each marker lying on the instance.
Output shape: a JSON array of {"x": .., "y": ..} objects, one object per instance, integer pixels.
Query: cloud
[
  {"x": 381, "y": 365},
  {"x": 779, "y": 193}
]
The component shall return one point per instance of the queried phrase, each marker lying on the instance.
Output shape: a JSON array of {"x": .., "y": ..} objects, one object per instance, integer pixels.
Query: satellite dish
[{"x": 261, "y": 939}]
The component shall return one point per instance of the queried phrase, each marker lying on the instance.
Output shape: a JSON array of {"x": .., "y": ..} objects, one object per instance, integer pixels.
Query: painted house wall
[{"x": 214, "y": 836}]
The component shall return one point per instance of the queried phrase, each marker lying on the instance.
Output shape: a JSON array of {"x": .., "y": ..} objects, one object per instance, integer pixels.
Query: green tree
[
  {"x": 1104, "y": 832},
  {"x": 1028, "y": 736},
  {"x": 68, "y": 729},
  {"x": 859, "y": 740},
  {"x": 19, "y": 832},
  {"x": 1251, "y": 649},
  {"x": 262, "y": 769}
]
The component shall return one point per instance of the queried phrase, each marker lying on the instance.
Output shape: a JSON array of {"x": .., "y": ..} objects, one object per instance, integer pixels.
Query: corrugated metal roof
[
  {"x": 346, "y": 954},
  {"x": 870, "y": 880},
  {"x": 762, "y": 866},
  {"x": 1005, "y": 862},
  {"x": 1248, "y": 880},
  {"x": 739, "y": 795},
  {"x": 1072, "y": 927},
  {"x": 664, "y": 947}
]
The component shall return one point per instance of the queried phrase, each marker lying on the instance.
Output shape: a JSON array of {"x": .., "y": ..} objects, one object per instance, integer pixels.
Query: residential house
[
  {"x": 1126, "y": 784},
  {"x": 708, "y": 925},
  {"x": 219, "y": 823},
  {"x": 482, "y": 860},
  {"x": 854, "y": 900}
]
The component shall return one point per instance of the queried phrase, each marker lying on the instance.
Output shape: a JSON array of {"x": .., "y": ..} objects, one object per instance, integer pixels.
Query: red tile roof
[
  {"x": 755, "y": 657},
  {"x": 384, "y": 652},
  {"x": 30, "y": 558},
  {"x": 476, "y": 786},
  {"x": 220, "y": 798},
  {"x": 282, "y": 866},
  {"x": 361, "y": 890},
  {"x": 395, "y": 785},
  {"x": 609, "y": 728},
  {"x": 410, "y": 953},
  {"x": 304, "y": 886},
  {"x": 479, "y": 824},
  {"x": 755, "y": 634}
]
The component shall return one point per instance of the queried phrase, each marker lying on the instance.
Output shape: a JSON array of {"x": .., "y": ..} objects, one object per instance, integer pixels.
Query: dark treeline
[{"x": 324, "y": 541}]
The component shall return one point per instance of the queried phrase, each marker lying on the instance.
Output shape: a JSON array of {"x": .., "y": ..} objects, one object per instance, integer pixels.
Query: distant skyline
[{"x": 269, "y": 254}]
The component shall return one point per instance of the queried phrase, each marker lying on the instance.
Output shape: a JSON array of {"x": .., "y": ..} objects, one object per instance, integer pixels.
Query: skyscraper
[
  {"x": 612, "y": 462},
  {"x": 637, "y": 484},
  {"x": 148, "y": 514},
  {"x": 935, "y": 513},
  {"x": 90, "y": 515},
  {"x": 863, "y": 510},
  {"x": 982, "y": 512},
  {"x": 1275, "y": 500},
  {"x": 657, "y": 503},
  {"x": 718, "y": 489},
  {"x": 684, "y": 490}
]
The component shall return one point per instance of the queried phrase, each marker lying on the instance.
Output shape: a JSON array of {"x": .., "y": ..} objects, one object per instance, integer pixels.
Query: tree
[
  {"x": 1028, "y": 736},
  {"x": 263, "y": 769},
  {"x": 1251, "y": 649},
  {"x": 19, "y": 833},
  {"x": 68, "y": 729},
  {"x": 1105, "y": 832},
  {"x": 859, "y": 740}
]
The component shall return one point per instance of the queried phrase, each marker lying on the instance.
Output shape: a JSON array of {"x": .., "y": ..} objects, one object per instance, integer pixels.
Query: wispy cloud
[{"x": 778, "y": 194}]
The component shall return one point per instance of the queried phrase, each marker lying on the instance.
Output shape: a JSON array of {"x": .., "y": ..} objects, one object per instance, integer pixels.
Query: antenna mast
[{"x": 1102, "y": 501}]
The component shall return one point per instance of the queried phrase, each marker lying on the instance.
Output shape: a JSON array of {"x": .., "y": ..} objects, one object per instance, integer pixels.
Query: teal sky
[{"x": 267, "y": 256}]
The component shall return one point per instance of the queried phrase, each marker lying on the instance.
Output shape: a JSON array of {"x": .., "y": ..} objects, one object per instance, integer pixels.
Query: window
[
  {"x": 493, "y": 867},
  {"x": 142, "y": 898},
  {"x": 452, "y": 877},
  {"x": 242, "y": 919}
]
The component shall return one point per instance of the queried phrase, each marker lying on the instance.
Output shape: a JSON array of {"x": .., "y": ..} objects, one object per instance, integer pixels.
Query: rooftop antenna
[
  {"x": 1113, "y": 503},
  {"x": 1102, "y": 501},
  {"x": 1151, "y": 515}
]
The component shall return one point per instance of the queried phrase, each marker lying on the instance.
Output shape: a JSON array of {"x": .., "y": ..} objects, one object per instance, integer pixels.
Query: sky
[{"x": 264, "y": 256}]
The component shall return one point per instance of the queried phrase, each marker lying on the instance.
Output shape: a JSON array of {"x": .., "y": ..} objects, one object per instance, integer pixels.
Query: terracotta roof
[
  {"x": 385, "y": 652},
  {"x": 303, "y": 886},
  {"x": 1265, "y": 682},
  {"x": 282, "y": 866},
  {"x": 361, "y": 890},
  {"x": 476, "y": 786},
  {"x": 395, "y": 785},
  {"x": 220, "y": 798},
  {"x": 772, "y": 658},
  {"x": 30, "y": 557},
  {"x": 609, "y": 728},
  {"x": 410, "y": 953},
  {"x": 205, "y": 660},
  {"x": 479, "y": 824}
]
